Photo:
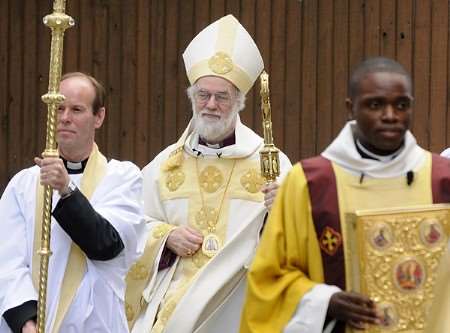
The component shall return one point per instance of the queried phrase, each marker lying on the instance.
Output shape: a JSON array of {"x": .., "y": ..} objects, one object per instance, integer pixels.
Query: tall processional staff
[{"x": 84, "y": 207}]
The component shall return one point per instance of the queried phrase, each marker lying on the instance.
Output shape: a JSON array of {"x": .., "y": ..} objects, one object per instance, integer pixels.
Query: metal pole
[{"x": 58, "y": 22}]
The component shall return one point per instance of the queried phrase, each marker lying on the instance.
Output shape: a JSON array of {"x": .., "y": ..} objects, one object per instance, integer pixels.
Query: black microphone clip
[{"x": 409, "y": 177}]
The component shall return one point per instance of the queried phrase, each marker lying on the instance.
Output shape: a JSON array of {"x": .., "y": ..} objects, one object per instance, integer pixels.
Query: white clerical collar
[
  {"x": 381, "y": 158},
  {"x": 343, "y": 151},
  {"x": 74, "y": 165}
]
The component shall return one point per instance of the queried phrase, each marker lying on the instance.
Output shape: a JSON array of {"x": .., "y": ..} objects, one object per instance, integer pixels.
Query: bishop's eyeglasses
[{"x": 221, "y": 98}]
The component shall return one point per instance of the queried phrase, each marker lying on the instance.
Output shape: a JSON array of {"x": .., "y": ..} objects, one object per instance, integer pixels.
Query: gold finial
[{"x": 269, "y": 155}]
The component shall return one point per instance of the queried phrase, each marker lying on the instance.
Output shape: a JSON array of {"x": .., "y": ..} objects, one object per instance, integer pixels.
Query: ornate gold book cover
[{"x": 392, "y": 256}]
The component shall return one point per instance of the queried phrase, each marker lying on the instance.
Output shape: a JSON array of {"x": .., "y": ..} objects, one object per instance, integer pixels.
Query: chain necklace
[{"x": 208, "y": 217}]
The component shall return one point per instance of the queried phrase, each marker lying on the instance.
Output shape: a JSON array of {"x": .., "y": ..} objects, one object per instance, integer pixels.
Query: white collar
[
  {"x": 74, "y": 165},
  {"x": 343, "y": 152}
]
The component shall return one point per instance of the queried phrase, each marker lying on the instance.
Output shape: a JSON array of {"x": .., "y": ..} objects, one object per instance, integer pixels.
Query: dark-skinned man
[{"x": 297, "y": 280}]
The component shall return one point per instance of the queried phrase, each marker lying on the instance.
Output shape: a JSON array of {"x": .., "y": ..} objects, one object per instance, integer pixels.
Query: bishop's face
[
  {"x": 215, "y": 112},
  {"x": 382, "y": 109},
  {"x": 76, "y": 121}
]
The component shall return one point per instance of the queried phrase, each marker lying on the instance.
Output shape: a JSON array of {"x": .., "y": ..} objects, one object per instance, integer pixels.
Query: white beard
[{"x": 212, "y": 130}]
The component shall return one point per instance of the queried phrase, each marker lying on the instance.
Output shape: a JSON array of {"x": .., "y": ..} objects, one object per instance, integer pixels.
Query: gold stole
[
  {"x": 76, "y": 264},
  {"x": 142, "y": 271},
  {"x": 176, "y": 182},
  {"x": 184, "y": 182}
]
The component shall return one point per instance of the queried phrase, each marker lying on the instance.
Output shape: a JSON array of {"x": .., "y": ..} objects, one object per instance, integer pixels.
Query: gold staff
[
  {"x": 58, "y": 22},
  {"x": 270, "y": 161}
]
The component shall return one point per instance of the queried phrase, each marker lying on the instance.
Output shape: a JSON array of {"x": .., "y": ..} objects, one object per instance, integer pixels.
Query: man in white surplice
[
  {"x": 96, "y": 223},
  {"x": 204, "y": 196}
]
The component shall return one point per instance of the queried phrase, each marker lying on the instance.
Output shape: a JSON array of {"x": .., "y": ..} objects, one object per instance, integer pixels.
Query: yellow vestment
[{"x": 288, "y": 262}]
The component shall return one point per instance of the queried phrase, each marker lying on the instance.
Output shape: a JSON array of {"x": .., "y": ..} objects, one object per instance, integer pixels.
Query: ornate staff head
[{"x": 269, "y": 155}]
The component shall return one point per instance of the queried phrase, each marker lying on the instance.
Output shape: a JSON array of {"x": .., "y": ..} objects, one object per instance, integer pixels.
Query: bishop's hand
[
  {"x": 184, "y": 241},
  {"x": 270, "y": 190}
]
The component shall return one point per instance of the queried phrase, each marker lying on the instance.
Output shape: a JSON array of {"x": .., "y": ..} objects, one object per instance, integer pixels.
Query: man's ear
[
  {"x": 349, "y": 107},
  {"x": 99, "y": 117}
]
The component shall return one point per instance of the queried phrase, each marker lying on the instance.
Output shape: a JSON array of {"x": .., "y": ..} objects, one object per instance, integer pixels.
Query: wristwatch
[{"x": 72, "y": 187}]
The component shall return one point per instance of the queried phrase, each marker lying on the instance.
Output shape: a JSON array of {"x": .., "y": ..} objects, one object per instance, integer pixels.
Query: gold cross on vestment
[{"x": 330, "y": 240}]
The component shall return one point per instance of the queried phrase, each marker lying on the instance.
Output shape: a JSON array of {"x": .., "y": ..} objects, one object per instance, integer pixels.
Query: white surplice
[{"x": 98, "y": 302}]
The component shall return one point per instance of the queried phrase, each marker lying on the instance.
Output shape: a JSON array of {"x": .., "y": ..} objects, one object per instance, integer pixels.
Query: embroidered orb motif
[
  {"x": 160, "y": 231},
  {"x": 252, "y": 181},
  {"x": 129, "y": 312},
  {"x": 138, "y": 271},
  {"x": 330, "y": 240},
  {"x": 174, "y": 180},
  {"x": 206, "y": 217},
  {"x": 220, "y": 63},
  {"x": 211, "y": 179}
]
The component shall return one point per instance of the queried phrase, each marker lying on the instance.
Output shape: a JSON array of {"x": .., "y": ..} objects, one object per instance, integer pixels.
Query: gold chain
[{"x": 211, "y": 238}]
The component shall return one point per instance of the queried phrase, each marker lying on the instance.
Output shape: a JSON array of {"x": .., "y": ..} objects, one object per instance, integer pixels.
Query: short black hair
[{"x": 375, "y": 65}]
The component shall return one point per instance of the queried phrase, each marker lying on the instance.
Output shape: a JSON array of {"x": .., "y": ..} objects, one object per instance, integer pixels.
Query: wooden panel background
[{"x": 134, "y": 47}]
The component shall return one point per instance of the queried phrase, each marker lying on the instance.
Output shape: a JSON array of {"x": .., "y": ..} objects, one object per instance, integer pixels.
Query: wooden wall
[{"x": 134, "y": 47}]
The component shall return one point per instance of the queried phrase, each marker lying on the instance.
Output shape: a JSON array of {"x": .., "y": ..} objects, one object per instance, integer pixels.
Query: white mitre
[{"x": 225, "y": 49}]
